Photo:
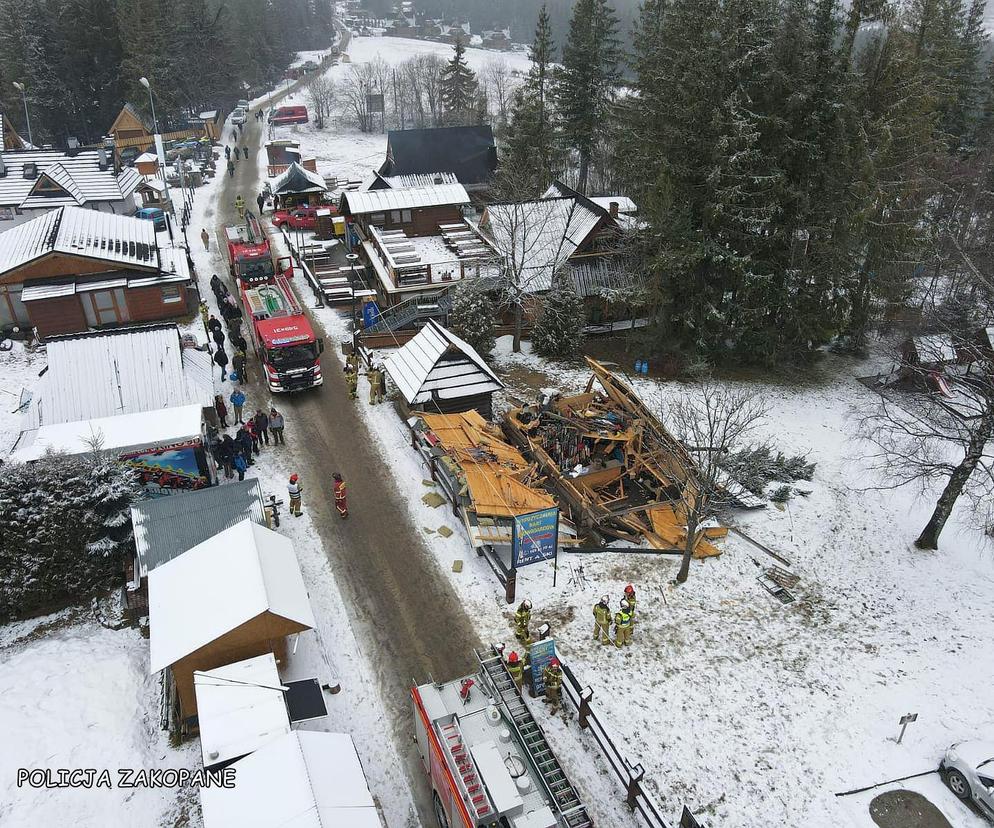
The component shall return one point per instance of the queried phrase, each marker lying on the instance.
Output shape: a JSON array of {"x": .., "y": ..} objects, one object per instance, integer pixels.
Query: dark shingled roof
[{"x": 469, "y": 152}]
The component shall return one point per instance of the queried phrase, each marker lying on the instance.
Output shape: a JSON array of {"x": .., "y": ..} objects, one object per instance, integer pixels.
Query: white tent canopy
[
  {"x": 220, "y": 584},
  {"x": 438, "y": 364},
  {"x": 302, "y": 780}
]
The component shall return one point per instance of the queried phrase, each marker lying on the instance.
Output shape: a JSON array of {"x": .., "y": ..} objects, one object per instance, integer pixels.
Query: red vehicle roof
[{"x": 287, "y": 330}]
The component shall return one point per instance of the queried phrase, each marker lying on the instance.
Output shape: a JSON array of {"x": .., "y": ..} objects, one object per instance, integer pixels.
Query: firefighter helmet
[
  {"x": 629, "y": 590},
  {"x": 624, "y": 604},
  {"x": 605, "y": 599},
  {"x": 526, "y": 604},
  {"x": 293, "y": 478},
  {"x": 554, "y": 662},
  {"x": 512, "y": 658}
]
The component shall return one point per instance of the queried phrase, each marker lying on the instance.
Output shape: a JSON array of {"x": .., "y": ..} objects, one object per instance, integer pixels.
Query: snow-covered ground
[
  {"x": 77, "y": 695},
  {"x": 19, "y": 369}
]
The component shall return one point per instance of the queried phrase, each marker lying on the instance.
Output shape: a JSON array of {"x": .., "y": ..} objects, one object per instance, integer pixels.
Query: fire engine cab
[{"x": 487, "y": 758}]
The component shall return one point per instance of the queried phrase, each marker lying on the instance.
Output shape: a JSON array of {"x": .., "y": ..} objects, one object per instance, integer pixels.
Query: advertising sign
[
  {"x": 541, "y": 653},
  {"x": 167, "y": 469},
  {"x": 535, "y": 537},
  {"x": 374, "y": 103},
  {"x": 370, "y": 313}
]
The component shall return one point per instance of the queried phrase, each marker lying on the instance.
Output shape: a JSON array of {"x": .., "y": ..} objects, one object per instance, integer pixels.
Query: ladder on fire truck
[{"x": 560, "y": 790}]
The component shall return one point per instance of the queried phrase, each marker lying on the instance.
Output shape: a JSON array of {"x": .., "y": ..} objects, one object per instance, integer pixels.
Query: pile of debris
[
  {"x": 618, "y": 473},
  {"x": 487, "y": 481}
]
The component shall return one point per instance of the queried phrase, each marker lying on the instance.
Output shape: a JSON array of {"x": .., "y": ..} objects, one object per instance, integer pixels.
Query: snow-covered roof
[
  {"x": 122, "y": 371},
  {"x": 625, "y": 204},
  {"x": 76, "y": 231},
  {"x": 438, "y": 364},
  {"x": 378, "y": 201},
  {"x": 305, "y": 779},
  {"x": 220, "y": 584},
  {"x": 117, "y": 434},
  {"x": 147, "y": 158},
  {"x": 407, "y": 182},
  {"x": 538, "y": 237},
  {"x": 297, "y": 179},
  {"x": 935, "y": 348},
  {"x": 166, "y": 527},
  {"x": 240, "y": 708},
  {"x": 595, "y": 277},
  {"x": 79, "y": 176}
]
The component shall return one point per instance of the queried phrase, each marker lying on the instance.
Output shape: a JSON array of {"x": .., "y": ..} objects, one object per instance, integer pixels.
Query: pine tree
[
  {"x": 473, "y": 317},
  {"x": 590, "y": 73},
  {"x": 460, "y": 90},
  {"x": 558, "y": 333}
]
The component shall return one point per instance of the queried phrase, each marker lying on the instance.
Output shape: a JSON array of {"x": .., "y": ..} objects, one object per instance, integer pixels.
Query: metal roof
[
  {"x": 121, "y": 371},
  {"x": 437, "y": 363},
  {"x": 407, "y": 182},
  {"x": 597, "y": 277},
  {"x": 625, "y": 204},
  {"x": 467, "y": 151},
  {"x": 378, "y": 201},
  {"x": 167, "y": 526},
  {"x": 297, "y": 179},
  {"x": 76, "y": 231},
  {"x": 539, "y": 237},
  {"x": 78, "y": 174}
]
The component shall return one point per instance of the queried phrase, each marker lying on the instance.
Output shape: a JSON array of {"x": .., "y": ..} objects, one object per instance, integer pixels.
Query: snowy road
[{"x": 402, "y": 608}]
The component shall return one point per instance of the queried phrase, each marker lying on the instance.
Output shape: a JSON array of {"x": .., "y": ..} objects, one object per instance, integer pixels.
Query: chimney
[
  {"x": 437, "y": 180},
  {"x": 30, "y": 170},
  {"x": 102, "y": 162},
  {"x": 72, "y": 146},
  {"x": 613, "y": 209}
]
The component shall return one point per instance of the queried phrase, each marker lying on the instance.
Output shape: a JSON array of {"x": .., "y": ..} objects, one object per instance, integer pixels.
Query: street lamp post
[
  {"x": 27, "y": 118},
  {"x": 160, "y": 150},
  {"x": 352, "y": 258}
]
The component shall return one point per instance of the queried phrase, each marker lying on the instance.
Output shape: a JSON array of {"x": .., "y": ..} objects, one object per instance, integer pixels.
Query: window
[
  {"x": 395, "y": 216},
  {"x": 377, "y": 218},
  {"x": 406, "y": 216},
  {"x": 171, "y": 294}
]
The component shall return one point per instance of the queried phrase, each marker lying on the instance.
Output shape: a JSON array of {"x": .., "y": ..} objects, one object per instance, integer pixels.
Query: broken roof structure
[
  {"x": 616, "y": 469},
  {"x": 467, "y": 151},
  {"x": 438, "y": 371},
  {"x": 300, "y": 780}
]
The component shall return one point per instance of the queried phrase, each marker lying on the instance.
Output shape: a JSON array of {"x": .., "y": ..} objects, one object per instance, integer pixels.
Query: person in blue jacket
[{"x": 237, "y": 399}]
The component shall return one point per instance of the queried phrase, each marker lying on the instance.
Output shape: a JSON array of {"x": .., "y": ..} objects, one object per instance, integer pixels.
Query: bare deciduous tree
[
  {"x": 712, "y": 420},
  {"x": 920, "y": 441},
  {"x": 363, "y": 80},
  {"x": 498, "y": 84},
  {"x": 322, "y": 94}
]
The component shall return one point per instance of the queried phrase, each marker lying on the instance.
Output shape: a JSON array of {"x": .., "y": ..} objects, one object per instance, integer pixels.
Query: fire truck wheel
[{"x": 443, "y": 820}]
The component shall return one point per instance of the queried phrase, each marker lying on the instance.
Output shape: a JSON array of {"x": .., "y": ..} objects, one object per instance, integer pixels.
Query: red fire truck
[
  {"x": 281, "y": 334},
  {"x": 487, "y": 758}
]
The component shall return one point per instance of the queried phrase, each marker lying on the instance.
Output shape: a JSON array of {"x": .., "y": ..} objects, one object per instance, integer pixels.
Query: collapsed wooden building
[{"x": 616, "y": 470}]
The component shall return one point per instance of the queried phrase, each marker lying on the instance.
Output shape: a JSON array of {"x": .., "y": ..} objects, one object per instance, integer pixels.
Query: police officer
[
  {"x": 553, "y": 678},
  {"x": 521, "y": 620},
  {"x": 602, "y": 621},
  {"x": 623, "y": 626}
]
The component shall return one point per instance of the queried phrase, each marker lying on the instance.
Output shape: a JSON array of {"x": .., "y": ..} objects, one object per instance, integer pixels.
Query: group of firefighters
[
  {"x": 376, "y": 375},
  {"x": 552, "y": 676},
  {"x": 296, "y": 492}
]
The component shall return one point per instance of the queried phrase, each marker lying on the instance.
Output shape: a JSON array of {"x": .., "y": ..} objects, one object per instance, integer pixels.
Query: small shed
[
  {"x": 147, "y": 164},
  {"x": 237, "y": 595},
  {"x": 297, "y": 186},
  {"x": 241, "y": 707},
  {"x": 304, "y": 779},
  {"x": 439, "y": 373}
]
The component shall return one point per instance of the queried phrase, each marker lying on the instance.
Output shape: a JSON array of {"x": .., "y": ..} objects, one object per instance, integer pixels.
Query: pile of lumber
[{"x": 615, "y": 468}]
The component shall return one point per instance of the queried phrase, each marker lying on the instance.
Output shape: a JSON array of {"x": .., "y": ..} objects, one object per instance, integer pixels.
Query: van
[
  {"x": 244, "y": 104},
  {"x": 238, "y": 117},
  {"x": 289, "y": 115}
]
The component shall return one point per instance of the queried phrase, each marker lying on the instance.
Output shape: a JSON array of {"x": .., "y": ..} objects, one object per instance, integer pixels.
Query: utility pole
[{"x": 27, "y": 118}]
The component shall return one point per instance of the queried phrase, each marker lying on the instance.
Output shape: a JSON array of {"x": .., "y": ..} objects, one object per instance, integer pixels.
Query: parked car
[
  {"x": 968, "y": 768},
  {"x": 309, "y": 66},
  {"x": 239, "y": 117},
  {"x": 289, "y": 115},
  {"x": 299, "y": 218},
  {"x": 243, "y": 104},
  {"x": 155, "y": 215},
  {"x": 128, "y": 156}
]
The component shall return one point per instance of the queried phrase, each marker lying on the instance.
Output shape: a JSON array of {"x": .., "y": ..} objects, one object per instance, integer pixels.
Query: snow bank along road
[{"x": 400, "y": 604}]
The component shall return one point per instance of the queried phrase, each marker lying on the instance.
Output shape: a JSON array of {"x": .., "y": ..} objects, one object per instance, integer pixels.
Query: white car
[
  {"x": 238, "y": 117},
  {"x": 968, "y": 768}
]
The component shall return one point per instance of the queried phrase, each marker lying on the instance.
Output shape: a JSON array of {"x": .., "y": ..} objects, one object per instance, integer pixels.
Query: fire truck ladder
[{"x": 557, "y": 785}]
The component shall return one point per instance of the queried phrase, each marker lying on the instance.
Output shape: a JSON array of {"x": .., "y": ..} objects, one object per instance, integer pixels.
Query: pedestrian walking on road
[
  {"x": 240, "y": 205},
  {"x": 341, "y": 502},
  {"x": 238, "y": 363},
  {"x": 221, "y": 358},
  {"x": 245, "y": 152},
  {"x": 295, "y": 490},
  {"x": 216, "y": 284},
  {"x": 221, "y": 409},
  {"x": 205, "y": 237},
  {"x": 218, "y": 336},
  {"x": 213, "y": 324},
  {"x": 231, "y": 168},
  {"x": 239, "y": 341},
  {"x": 553, "y": 678},
  {"x": 522, "y": 617},
  {"x": 238, "y": 154},
  {"x": 262, "y": 426},
  {"x": 234, "y": 136},
  {"x": 244, "y": 441},
  {"x": 227, "y": 152},
  {"x": 276, "y": 424},
  {"x": 352, "y": 378},
  {"x": 261, "y": 201},
  {"x": 237, "y": 400},
  {"x": 602, "y": 620}
]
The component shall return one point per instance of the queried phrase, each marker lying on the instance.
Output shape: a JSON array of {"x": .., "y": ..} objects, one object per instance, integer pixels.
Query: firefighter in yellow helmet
[
  {"x": 521, "y": 620},
  {"x": 516, "y": 668},
  {"x": 623, "y": 626},
  {"x": 602, "y": 620},
  {"x": 553, "y": 678}
]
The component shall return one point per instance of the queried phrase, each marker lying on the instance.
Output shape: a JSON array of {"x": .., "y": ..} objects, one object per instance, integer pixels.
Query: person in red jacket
[{"x": 340, "y": 501}]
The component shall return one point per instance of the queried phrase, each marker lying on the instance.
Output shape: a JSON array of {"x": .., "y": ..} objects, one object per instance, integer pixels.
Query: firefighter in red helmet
[
  {"x": 516, "y": 669},
  {"x": 552, "y": 675}
]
